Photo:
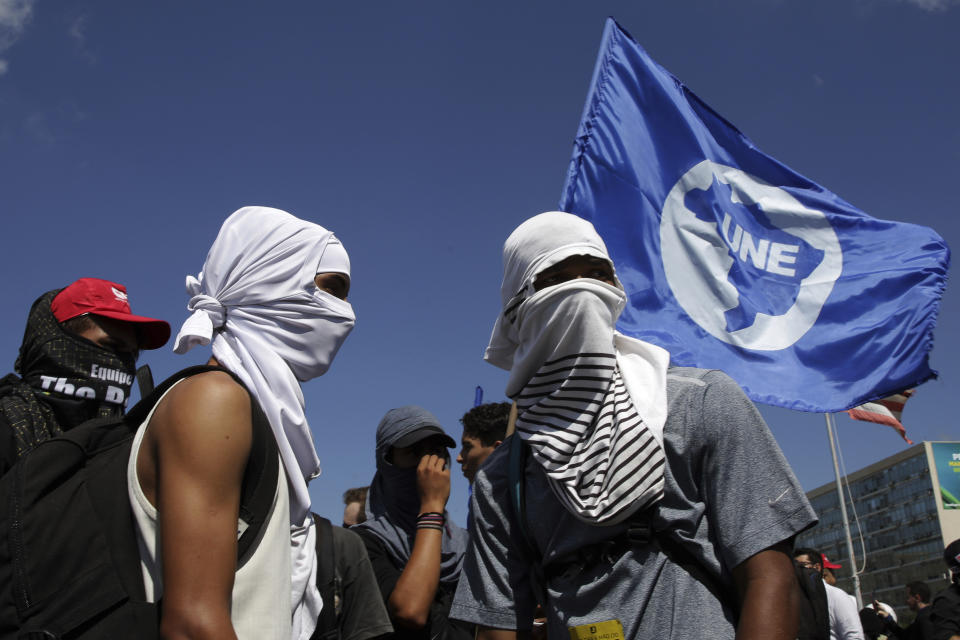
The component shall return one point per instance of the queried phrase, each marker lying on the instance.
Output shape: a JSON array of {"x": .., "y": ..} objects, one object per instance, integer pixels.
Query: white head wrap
[
  {"x": 257, "y": 302},
  {"x": 536, "y": 245},
  {"x": 561, "y": 333}
]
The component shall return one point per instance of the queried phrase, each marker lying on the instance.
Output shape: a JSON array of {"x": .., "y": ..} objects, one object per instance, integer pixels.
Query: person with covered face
[
  {"x": 657, "y": 503},
  {"x": 271, "y": 302},
  {"x": 415, "y": 549},
  {"x": 77, "y": 361}
]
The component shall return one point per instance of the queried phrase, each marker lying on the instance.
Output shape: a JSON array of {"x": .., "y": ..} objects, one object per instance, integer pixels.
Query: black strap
[
  {"x": 259, "y": 479},
  {"x": 516, "y": 480},
  {"x": 145, "y": 380},
  {"x": 327, "y": 628}
]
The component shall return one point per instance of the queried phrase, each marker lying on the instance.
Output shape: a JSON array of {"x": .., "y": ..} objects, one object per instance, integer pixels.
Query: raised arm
[
  {"x": 191, "y": 468},
  {"x": 410, "y": 600}
]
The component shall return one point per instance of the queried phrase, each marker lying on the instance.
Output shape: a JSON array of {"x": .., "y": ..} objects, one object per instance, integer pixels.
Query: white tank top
[{"x": 260, "y": 607}]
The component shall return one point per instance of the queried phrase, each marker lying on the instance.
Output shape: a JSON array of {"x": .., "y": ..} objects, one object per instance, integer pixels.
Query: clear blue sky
[{"x": 422, "y": 133}]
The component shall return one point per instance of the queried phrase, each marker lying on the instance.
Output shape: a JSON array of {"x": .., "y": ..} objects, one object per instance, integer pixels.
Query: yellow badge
[{"x": 606, "y": 630}]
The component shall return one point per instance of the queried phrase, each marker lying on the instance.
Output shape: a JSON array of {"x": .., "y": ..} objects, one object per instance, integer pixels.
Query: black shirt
[
  {"x": 945, "y": 613},
  {"x": 360, "y": 611}
]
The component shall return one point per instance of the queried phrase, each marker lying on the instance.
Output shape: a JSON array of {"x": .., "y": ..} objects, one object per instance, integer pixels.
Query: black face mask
[{"x": 76, "y": 377}]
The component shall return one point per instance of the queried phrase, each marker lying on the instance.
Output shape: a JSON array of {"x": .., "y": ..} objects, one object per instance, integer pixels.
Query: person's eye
[
  {"x": 549, "y": 279},
  {"x": 603, "y": 273},
  {"x": 335, "y": 286}
]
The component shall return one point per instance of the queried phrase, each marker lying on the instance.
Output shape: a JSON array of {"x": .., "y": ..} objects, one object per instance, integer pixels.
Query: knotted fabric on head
[
  {"x": 591, "y": 402},
  {"x": 257, "y": 302},
  {"x": 393, "y": 502}
]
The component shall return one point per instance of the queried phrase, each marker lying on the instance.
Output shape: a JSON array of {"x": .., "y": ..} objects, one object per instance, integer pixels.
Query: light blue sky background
[{"x": 422, "y": 133}]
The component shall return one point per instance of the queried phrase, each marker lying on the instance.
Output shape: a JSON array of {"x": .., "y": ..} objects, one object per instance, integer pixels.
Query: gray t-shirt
[{"x": 729, "y": 493}]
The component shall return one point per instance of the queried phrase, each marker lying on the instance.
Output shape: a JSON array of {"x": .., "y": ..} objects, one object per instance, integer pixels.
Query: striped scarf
[{"x": 603, "y": 461}]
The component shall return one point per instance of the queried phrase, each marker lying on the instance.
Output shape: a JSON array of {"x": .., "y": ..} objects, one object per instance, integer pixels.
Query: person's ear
[{"x": 497, "y": 443}]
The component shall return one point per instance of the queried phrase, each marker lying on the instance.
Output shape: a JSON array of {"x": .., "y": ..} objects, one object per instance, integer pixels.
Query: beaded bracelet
[{"x": 431, "y": 520}]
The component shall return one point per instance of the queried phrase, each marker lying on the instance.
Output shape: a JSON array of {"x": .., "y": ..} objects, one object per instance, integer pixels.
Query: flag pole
[{"x": 843, "y": 513}]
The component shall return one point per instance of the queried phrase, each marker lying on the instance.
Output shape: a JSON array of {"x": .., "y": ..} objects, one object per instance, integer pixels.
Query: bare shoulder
[
  {"x": 210, "y": 405},
  {"x": 199, "y": 439},
  {"x": 217, "y": 387}
]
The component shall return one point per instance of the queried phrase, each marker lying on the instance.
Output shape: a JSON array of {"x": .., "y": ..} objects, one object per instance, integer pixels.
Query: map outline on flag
[{"x": 806, "y": 301}]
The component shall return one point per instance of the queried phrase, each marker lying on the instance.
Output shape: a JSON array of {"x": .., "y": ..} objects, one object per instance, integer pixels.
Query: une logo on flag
[
  {"x": 747, "y": 261},
  {"x": 731, "y": 260}
]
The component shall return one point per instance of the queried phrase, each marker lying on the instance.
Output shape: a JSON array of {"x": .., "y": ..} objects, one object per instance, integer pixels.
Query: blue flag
[{"x": 733, "y": 261}]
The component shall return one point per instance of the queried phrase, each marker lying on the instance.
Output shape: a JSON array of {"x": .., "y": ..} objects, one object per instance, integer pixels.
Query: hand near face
[
  {"x": 433, "y": 483},
  {"x": 879, "y": 610}
]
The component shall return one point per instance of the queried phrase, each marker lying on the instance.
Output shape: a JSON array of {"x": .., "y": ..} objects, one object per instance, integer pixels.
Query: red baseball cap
[
  {"x": 107, "y": 299},
  {"x": 830, "y": 565}
]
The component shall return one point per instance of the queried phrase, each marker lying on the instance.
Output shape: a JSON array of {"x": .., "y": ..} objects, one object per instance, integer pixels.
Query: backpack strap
[
  {"x": 259, "y": 479},
  {"x": 517, "y": 486},
  {"x": 145, "y": 380},
  {"x": 327, "y": 628}
]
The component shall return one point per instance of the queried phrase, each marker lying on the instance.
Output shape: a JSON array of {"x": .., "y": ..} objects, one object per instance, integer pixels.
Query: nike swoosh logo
[{"x": 777, "y": 499}]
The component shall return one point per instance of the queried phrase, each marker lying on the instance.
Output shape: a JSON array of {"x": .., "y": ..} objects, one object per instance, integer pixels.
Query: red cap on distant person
[
  {"x": 830, "y": 565},
  {"x": 107, "y": 299}
]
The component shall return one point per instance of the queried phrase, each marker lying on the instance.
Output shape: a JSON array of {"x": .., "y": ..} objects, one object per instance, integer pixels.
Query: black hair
[
  {"x": 487, "y": 422},
  {"x": 919, "y": 590}
]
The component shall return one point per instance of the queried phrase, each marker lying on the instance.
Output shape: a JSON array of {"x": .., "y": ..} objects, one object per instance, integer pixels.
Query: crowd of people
[{"x": 615, "y": 496}]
